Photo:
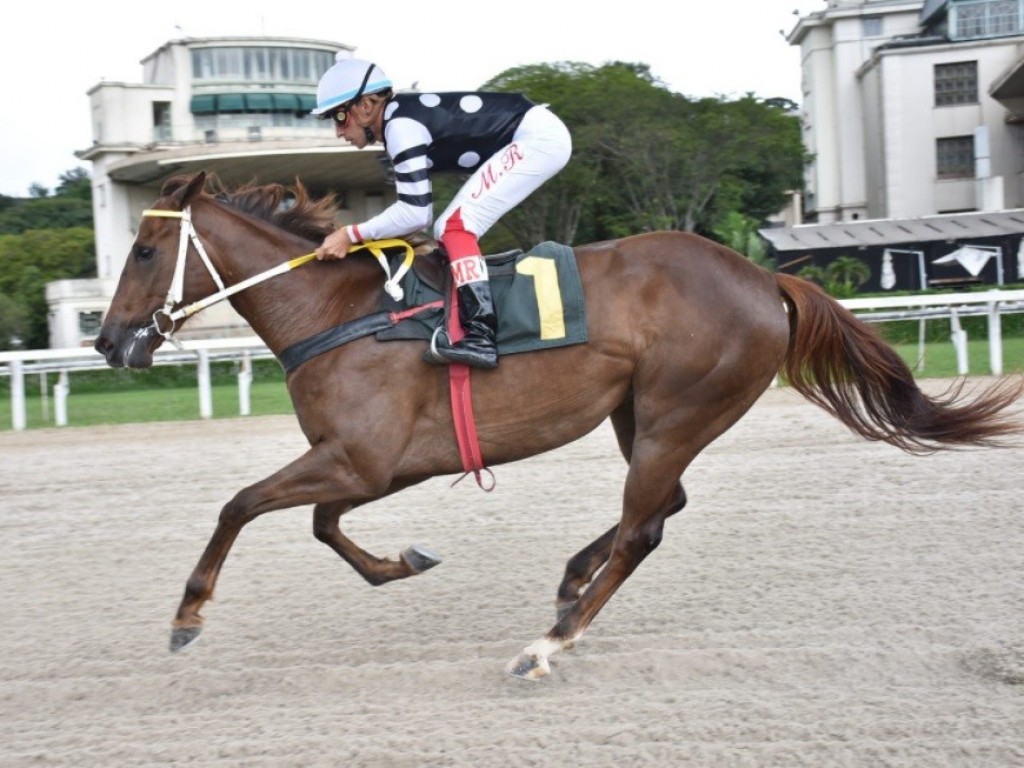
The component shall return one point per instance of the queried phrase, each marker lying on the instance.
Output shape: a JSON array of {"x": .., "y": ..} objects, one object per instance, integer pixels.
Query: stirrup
[{"x": 432, "y": 353}]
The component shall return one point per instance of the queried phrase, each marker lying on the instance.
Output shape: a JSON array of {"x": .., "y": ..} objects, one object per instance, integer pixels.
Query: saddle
[{"x": 538, "y": 298}]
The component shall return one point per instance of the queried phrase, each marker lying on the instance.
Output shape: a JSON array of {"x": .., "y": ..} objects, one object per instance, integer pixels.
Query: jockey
[{"x": 507, "y": 144}]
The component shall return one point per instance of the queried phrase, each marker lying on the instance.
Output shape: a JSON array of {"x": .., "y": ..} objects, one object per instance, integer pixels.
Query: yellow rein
[{"x": 376, "y": 247}]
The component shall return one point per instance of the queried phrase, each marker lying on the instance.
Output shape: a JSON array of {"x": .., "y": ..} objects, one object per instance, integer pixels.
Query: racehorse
[{"x": 684, "y": 335}]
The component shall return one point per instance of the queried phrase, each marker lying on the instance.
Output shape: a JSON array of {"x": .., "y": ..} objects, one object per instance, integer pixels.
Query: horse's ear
[{"x": 184, "y": 194}]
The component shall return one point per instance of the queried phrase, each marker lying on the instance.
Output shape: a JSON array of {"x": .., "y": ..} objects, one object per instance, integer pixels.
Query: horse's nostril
[{"x": 103, "y": 345}]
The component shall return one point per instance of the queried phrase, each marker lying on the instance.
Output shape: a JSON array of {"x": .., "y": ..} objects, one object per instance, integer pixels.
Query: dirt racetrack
[{"x": 822, "y": 601}]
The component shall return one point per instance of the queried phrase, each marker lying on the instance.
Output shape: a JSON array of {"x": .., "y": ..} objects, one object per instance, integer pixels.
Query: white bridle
[{"x": 176, "y": 291}]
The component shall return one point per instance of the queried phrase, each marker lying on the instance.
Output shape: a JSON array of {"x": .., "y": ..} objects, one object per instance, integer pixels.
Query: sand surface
[{"x": 822, "y": 601}]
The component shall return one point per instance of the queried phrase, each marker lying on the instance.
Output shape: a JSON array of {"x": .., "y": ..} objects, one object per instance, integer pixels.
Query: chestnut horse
[{"x": 684, "y": 336}]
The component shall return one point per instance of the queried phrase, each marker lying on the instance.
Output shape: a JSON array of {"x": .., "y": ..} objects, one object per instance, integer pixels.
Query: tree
[
  {"x": 594, "y": 103},
  {"x": 46, "y": 213},
  {"x": 646, "y": 158},
  {"x": 739, "y": 232},
  {"x": 771, "y": 164},
  {"x": 76, "y": 184},
  {"x": 30, "y": 293},
  {"x": 42, "y": 238},
  {"x": 28, "y": 262},
  {"x": 841, "y": 278},
  {"x": 700, "y": 159},
  {"x": 70, "y": 206},
  {"x": 13, "y": 322}
]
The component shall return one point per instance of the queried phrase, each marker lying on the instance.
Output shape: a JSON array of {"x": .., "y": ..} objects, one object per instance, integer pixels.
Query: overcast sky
[{"x": 50, "y": 57}]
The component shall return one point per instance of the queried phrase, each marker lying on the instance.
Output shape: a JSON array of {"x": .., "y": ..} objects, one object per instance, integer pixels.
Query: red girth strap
[{"x": 462, "y": 407}]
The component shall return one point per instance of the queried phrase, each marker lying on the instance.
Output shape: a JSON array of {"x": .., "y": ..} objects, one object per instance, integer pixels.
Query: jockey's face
[
  {"x": 343, "y": 120},
  {"x": 367, "y": 112}
]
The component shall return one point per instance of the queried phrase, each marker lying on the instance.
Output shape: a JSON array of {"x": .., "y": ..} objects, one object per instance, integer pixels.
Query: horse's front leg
[
  {"x": 309, "y": 479},
  {"x": 413, "y": 560}
]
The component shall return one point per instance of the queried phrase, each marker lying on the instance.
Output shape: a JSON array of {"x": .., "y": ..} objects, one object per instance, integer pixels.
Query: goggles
[{"x": 340, "y": 115}]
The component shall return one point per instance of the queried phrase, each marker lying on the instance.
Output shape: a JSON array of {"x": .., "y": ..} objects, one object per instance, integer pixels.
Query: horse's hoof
[
  {"x": 183, "y": 637},
  {"x": 528, "y": 666},
  {"x": 420, "y": 558}
]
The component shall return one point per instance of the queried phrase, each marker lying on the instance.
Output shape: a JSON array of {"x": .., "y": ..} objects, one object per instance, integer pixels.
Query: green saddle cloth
[{"x": 538, "y": 298}]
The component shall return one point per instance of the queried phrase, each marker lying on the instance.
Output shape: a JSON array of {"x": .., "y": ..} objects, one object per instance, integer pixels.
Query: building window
[
  {"x": 89, "y": 323},
  {"x": 161, "y": 120},
  {"x": 260, "y": 65},
  {"x": 871, "y": 26},
  {"x": 956, "y": 83},
  {"x": 984, "y": 18},
  {"x": 954, "y": 157}
]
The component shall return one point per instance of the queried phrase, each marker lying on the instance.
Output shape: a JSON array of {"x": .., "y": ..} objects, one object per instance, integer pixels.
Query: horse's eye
[{"x": 143, "y": 252}]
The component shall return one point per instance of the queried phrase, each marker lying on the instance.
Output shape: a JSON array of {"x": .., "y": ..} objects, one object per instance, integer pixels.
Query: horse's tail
[{"x": 843, "y": 365}]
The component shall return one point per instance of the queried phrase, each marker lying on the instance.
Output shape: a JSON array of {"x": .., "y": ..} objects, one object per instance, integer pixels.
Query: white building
[
  {"x": 234, "y": 106},
  {"x": 913, "y": 115},
  {"x": 911, "y": 108}
]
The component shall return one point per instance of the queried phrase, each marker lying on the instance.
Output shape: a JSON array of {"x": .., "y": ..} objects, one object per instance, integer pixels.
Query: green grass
[{"x": 940, "y": 358}]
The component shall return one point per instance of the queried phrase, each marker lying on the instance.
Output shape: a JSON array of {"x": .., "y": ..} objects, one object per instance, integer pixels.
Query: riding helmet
[{"x": 346, "y": 81}]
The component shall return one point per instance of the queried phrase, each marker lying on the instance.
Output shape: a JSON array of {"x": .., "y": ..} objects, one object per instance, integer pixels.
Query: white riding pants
[{"x": 539, "y": 149}]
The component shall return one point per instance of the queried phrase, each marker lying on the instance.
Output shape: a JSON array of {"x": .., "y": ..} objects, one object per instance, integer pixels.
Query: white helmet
[{"x": 346, "y": 81}]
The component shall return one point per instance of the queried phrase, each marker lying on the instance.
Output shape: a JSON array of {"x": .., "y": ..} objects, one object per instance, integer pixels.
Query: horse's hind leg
[
  {"x": 582, "y": 566},
  {"x": 375, "y": 570},
  {"x": 581, "y": 569},
  {"x": 646, "y": 506}
]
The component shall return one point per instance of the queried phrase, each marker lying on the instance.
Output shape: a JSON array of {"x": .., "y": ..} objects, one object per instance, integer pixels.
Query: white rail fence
[
  {"x": 17, "y": 365},
  {"x": 992, "y": 304}
]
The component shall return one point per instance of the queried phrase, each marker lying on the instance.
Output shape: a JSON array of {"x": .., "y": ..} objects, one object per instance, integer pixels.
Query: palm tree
[{"x": 841, "y": 278}]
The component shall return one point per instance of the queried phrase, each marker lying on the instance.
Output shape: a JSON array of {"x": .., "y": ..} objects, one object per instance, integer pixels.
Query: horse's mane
[{"x": 291, "y": 208}]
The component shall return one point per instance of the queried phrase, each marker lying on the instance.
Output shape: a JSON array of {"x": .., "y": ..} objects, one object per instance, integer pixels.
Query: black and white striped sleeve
[{"x": 407, "y": 144}]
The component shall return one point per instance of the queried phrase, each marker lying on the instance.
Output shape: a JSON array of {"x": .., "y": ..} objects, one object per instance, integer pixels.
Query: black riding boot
[{"x": 478, "y": 347}]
